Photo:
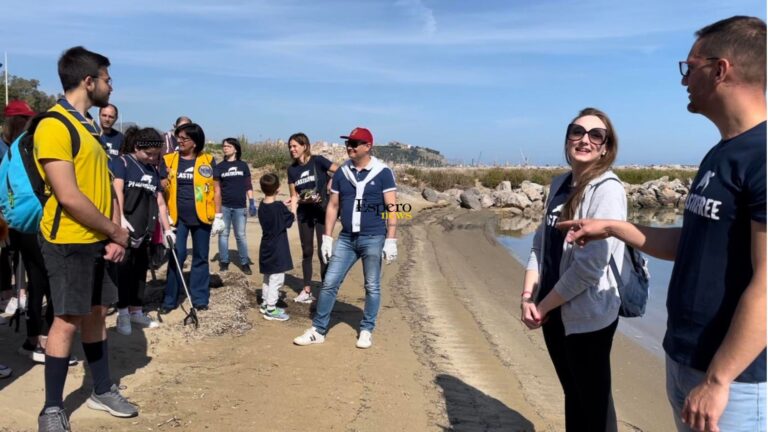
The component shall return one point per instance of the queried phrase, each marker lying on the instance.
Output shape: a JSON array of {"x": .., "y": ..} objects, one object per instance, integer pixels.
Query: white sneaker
[
  {"x": 304, "y": 297},
  {"x": 23, "y": 302},
  {"x": 311, "y": 336},
  {"x": 143, "y": 320},
  {"x": 12, "y": 305},
  {"x": 124, "y": 324},
  {"x": 364, "y": 341}
]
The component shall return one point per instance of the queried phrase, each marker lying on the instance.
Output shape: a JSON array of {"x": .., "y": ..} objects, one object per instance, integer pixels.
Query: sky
[{"x": 488, "y": 81}]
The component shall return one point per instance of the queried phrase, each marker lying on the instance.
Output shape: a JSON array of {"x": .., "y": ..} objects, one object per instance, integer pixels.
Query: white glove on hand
[
  {"x": 169, "y": 233},
  {"x": 389, "y": 253},
  {"x": 218, "y": 224},
  {"x": 326, "y": 248},
  {"x": 125, "y": 224}
]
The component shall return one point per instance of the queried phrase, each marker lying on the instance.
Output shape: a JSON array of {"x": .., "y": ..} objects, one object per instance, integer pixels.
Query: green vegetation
[
  {"x": 26, "y": 90},
  {"x": 268, "y": 153},
  {"x": 642, "y": 175},
  {"x": 441, "y": 179},
  {"x": 491, "y": 178}
]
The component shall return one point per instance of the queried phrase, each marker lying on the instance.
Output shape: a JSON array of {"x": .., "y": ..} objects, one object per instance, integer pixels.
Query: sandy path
[{"x": 449, "y": 354}]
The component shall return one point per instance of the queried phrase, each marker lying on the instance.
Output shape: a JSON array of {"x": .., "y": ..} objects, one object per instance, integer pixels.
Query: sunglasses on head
[
  {"x": 354, "y": 143},
  {"x": 597, "y": 136}
]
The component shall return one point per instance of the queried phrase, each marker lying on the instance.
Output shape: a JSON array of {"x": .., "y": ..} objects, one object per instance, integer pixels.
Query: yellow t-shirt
[{"x": 52, "y": 141}]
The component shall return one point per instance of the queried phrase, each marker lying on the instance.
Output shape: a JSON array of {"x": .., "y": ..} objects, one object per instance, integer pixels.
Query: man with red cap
[{"x": 364, "y": 191}]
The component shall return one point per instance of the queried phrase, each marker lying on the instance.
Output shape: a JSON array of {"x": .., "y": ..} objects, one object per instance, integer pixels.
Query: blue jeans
[
  {"x": 746, "y": 401},
  {"x": 349, "y": 248},
  {"x": 236, "y": 217},
  {"x": 199, "y": 278}
]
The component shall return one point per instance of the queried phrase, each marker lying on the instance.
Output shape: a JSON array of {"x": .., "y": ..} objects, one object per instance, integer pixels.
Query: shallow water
[{"x": 647, "y": 331}]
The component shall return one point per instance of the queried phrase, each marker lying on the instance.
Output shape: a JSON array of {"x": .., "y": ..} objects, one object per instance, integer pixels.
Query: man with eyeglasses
[
  {"x": 363, "y": 190},
  {"x": 80, "y": 232},
  {"x": 716, "y": 327}
]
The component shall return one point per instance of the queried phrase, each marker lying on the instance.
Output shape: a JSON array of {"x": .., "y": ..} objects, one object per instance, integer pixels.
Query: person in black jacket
[{"x": 274, "y": 251}]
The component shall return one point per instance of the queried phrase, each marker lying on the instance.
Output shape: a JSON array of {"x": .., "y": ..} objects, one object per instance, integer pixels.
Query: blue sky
[{"x": 488, "y": 79}]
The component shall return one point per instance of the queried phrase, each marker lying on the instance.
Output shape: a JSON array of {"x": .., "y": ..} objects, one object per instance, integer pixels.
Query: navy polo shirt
[
  {"x": 713, "y": 265},
  {"x": 372, "y": 204},
  {"x": 234, "y": 179}
]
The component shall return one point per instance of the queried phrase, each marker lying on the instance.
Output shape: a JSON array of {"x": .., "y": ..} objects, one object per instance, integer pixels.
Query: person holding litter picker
[
  {"x": 194, "y": 207},
  {"x": 137, "y": 186}
]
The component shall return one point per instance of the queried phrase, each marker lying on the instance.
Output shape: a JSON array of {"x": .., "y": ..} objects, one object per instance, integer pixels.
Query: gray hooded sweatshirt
[{"x": 586, "y": 282}]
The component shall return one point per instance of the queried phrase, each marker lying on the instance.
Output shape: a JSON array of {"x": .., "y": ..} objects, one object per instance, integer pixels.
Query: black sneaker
[
  {"x": 247, "y": 269},
  {"x": 201, "y": 307},
  {"x": 223, "y": 266}
]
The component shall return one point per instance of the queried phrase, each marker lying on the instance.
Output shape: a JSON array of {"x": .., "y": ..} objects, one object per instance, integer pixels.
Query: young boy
[{"x": 274, "y": 252}]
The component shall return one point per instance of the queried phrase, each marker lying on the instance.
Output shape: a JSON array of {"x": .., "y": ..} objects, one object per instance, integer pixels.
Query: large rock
[
  {"x": 535, "y": 192},
  {"x": 505, "y": 185},
  {"x": 486, "y": 201},
  {"x": 470, "y": 200},
  {"x": 666, "y": 196},
  {"x": 430, "y": 195},
  {"x": 454, "y": 194},
  {"x": 516, "y": 199}
]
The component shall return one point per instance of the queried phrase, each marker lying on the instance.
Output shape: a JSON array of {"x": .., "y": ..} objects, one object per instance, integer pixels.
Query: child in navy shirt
[{"x": 274, "y": 252}]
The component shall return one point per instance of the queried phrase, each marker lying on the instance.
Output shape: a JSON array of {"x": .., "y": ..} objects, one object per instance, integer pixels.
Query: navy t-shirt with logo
[
  {"x": 372, "y": 204},
  {"x": 185, "y": 188},
  {"x": 713, "y": 265},
  {"x": 136, "y": 174},
  {"x": 310, "y": 176},
  {"x": 553, "y": 241},
  {"x": 112, "y": 143},
  {"x": 234, "y": 179}
]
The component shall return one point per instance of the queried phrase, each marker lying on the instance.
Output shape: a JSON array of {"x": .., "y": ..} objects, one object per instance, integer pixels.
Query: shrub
[{"x": 264, "y": 154}]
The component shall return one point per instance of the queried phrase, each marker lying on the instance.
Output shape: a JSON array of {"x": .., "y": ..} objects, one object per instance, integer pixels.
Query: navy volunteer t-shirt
[
  {"x": 713, "y": 265},
  {"x": 136, "y": 174},
  {"x": 274, "y": 250},
  {"x": 310, "y": 176},
  {"x": 234, "y": 178},
  {"x": 372, "y": 204},
  {"x": 553, "y": 241}
]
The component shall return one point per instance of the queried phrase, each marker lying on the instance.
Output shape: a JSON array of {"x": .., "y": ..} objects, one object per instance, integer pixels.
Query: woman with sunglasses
[
  {"x": 309, "y": 182},
  {"x": 137, "y": 186},
  {"x": 570, "y": 291},
  {"x": 194, "y": 207}
]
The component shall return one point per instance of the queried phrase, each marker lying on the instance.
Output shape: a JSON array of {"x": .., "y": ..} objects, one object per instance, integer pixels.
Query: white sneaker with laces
[
  {"x": 124, "y": 324},
  {"x": 143, "y": 320},
  {"x": 12, "y": 305},
  {"x": 364, "y": 340},
  {"x": 304, "y": 297},
  {"x": 311, "y": 336}
]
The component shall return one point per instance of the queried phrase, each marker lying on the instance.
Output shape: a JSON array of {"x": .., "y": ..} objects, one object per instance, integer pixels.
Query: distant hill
[{"x": 405, "y": 154}]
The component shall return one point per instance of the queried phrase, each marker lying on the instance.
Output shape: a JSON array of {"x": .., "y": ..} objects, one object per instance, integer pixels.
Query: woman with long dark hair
[
  {"x": 137, "y": 186},
  {"x": 308, "y": 181},
  {"x": 569, "y": 291}
]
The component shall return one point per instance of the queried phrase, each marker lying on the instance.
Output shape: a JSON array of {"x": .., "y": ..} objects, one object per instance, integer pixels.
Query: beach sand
[{"x": 449, "y": 353}]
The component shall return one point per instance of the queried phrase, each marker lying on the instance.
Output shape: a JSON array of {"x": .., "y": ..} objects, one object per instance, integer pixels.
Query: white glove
[
  {"x": 218, "y": 224},
  {"x": 326, "y": 248},
  {"x": 125, "y": 224},
  {"x": 169, "y": 233},
  {"x": 389, "y": 253}
]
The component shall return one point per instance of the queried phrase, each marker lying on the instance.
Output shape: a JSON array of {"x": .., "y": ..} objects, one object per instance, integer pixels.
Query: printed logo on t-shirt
[
  {"x": 304, "y": 174},
  {"x": 699, "y": 204},
  {"x": 112, "y": 151},
  {"x": 144, "y": 183},
  {"x": 305, "y": 178},
  {"x": 187, "y": 174},
  {"x": 554, "y": 215},
  {"x": 232, "y": 172}
]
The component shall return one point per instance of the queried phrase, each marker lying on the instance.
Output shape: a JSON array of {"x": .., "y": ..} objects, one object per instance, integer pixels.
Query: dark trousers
[
  {"x": 583, "y": 365},
  {"x": 311, "y": 225},
  {"x": 132, "y": 277},
  {"x": 9, "y": 259},
  {"x": 37, "y": 286}
]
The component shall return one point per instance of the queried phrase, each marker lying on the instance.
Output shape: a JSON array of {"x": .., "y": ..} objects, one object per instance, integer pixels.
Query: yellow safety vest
[{"x": 203, "y": 184}]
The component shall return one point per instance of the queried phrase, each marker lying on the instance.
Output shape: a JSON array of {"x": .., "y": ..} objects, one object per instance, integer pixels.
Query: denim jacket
[{"x": 586, "y": 283}]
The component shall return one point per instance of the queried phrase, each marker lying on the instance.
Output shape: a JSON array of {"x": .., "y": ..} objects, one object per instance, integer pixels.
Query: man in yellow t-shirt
[{"x": 81, "y": 230}]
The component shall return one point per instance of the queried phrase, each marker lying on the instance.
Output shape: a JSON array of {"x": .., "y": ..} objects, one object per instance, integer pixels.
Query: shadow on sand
[{"x": 470, "y": 410}]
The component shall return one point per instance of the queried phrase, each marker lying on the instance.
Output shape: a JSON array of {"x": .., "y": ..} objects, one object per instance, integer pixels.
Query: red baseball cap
[
  {"x": 360, "y": 134},
  {"x": 18, "y": 108}
]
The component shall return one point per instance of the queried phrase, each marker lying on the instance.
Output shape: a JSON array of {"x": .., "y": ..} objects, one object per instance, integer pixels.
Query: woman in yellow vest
[{"x": 194, "y": 208}]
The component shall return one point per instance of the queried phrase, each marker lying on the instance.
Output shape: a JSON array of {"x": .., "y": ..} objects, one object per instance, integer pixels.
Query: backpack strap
[{"x": 38, "y": 185}]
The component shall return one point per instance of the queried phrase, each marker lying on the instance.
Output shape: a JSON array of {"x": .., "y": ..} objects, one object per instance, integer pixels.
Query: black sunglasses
[
  {"x": 354, "y": 143},
  {"x": 597, "y": 136}
]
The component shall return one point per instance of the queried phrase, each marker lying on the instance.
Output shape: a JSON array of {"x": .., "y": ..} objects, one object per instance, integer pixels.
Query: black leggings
[
  {"x": 311, "y": 224},
  {"x": 132, "y": 277},
  {"x": 583, "y": 365},
  {"x": 38, "y": 287}
]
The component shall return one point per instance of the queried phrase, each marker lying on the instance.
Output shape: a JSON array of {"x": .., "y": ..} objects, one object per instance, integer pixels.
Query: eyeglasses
[
  {"x": 182, "y": 139},
  {"x": 685, "y": 68},
  {"x": 107, "y": 80},
  {"x": 597, "y": 136},
  {"x": 354, "y": 143}
]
